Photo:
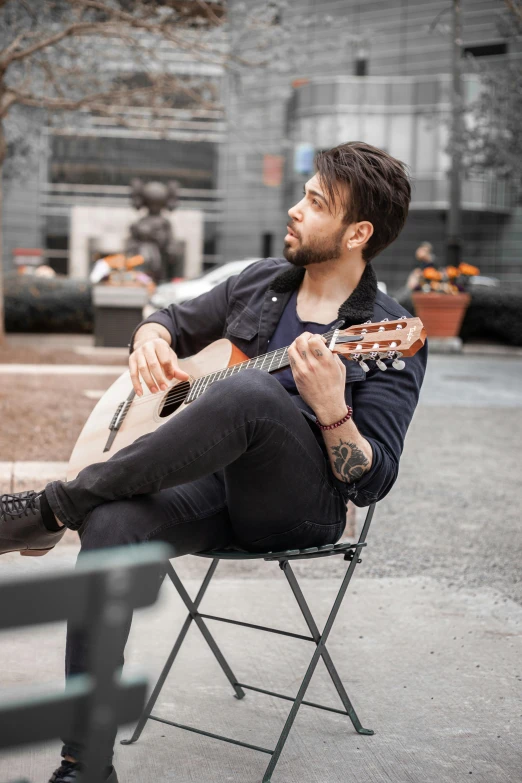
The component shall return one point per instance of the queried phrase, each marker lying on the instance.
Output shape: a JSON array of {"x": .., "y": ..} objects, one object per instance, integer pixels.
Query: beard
[{"x": 315, "y": 252}]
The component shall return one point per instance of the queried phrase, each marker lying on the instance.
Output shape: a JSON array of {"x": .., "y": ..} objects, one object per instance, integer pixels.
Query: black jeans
[{"x": 240, "y": 465}]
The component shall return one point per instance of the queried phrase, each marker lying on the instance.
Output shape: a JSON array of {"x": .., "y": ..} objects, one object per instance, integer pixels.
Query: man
[{"x": 263, "y": 461}]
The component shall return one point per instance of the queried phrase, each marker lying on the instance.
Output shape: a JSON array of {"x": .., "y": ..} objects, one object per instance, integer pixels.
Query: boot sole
[{"x": 35, "y": 552}]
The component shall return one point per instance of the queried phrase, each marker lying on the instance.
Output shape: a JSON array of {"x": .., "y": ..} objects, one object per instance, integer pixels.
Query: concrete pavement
[
  {"x": 428, "y": 641},
  {"x": 435, "y": 672}
]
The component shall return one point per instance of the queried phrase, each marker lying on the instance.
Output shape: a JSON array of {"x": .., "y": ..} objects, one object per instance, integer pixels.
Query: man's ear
[{"x": 360, "y": 234}]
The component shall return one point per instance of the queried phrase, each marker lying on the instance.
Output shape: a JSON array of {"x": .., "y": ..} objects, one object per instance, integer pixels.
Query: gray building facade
[
  {"x": 90, "y": 159},
  {"x": 378, "y": 72}
]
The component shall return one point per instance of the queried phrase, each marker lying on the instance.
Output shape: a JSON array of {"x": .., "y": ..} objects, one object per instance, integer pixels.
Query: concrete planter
[
  {"x": 441, "y": 314},
  {"x": 118, "y": 309}
]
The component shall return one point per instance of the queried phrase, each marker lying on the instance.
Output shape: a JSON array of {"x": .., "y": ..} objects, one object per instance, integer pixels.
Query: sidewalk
[
  {"x": 435, "y": 672},
  {"x": 428, "y": 641}
]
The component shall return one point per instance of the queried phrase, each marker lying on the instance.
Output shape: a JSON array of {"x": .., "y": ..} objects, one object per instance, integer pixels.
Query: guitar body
[{"x": 145, "y": 414}]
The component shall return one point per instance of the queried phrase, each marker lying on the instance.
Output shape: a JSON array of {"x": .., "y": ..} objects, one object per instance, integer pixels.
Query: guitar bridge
[{"x": 118, "y": 419}]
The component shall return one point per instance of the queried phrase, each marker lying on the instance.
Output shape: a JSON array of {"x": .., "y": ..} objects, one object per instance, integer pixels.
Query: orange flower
[
  {"x": 430, "y": 273},
  {"x": 467, "y": 269},
  {"x": 134, "y": 261},
  {"x": 452, "y": 271}
]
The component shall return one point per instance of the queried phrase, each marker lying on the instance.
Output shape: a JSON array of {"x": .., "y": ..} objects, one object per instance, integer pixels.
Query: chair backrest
[{"x": 97, "y": 597}]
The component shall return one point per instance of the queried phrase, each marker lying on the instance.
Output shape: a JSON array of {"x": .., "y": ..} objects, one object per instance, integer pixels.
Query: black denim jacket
[{"x": 246, "y": 309}]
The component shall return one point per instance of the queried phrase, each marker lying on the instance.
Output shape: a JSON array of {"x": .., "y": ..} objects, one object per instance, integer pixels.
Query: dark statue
[{"x": 151, "y": 236}]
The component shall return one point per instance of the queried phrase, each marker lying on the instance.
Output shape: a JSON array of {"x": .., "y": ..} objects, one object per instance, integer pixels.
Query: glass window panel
[
  {"x": 324, "y": 94},
  {"x": 471, "y": 88},
  {"x": 442, "y": 190},
  {"x": 427, "y": 91},
  {"x": 375, "y": 93},
  {"x": 306, "y": 130},
  {"x": 426, "y": 140},
  {"x": 473, "y": 192},
  {"x": 348, "y": 93},
  {"x": 374, "y": 130},
  {"x": 325, "y": 132},
  {"x": 348, "y": 128},
  {"x": 304, "y": 96},
  {"x": 400, "y": 143},
  {"x": 443, "y": 158},
  {"x": 500, "y": 193},
  {"x": 445, "y": 91},
  {"x": 423, "y": 190},
  {"x": 401, "y": 93}
]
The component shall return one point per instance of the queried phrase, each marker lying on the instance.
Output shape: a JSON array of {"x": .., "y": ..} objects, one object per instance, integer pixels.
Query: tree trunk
[{"x": 2, "y": 158}]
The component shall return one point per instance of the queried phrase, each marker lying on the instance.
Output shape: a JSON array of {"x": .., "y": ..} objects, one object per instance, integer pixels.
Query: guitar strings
[{"x": 174, "y": 394}]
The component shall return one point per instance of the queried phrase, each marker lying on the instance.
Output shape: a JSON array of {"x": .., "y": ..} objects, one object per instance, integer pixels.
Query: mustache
[{"x": 292, "y": 229}]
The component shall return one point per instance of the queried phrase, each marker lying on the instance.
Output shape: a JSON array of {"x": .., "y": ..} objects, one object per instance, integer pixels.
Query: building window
[{"x": 486, "y": 49}]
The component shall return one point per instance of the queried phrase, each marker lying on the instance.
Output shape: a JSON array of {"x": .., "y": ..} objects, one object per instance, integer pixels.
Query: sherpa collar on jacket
[{"x": 358, "y": 308}]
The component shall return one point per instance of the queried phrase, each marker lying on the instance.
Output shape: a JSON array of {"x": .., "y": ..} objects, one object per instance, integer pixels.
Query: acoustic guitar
[{"x": 120, "y": 416}]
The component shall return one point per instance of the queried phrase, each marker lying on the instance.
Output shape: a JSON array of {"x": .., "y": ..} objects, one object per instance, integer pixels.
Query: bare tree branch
[
  {"x": 30, "y": 11},
  {"x": 10, "y": 54},
  {"x": 95, "y": 101},
  {"x": 211, "y": 15}
]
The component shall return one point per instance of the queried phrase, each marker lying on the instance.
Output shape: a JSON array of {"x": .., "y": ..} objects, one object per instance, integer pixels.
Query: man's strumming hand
[{"x": 154, "y": 360}]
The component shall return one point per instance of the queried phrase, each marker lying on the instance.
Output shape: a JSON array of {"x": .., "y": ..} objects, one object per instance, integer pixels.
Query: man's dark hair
[{"x": 378, "y": 190}]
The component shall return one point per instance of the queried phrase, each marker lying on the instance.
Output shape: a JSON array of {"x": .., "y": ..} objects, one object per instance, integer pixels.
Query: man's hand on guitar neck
[
  {"x": 320, "y": 377},
  {"x": 154, "y": 360}
]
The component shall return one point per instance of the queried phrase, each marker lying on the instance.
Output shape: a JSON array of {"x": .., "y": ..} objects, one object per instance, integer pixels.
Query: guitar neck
[{"x": 268, "y": 362}]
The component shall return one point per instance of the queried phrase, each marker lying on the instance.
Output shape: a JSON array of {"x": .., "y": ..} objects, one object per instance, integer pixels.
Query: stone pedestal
[{"x": 118, "y": 309}]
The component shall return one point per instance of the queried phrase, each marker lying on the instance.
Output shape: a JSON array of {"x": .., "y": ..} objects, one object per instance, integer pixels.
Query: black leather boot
[
  {"x": 21, "y": 525},
  {"x": 70, "y": 772}
]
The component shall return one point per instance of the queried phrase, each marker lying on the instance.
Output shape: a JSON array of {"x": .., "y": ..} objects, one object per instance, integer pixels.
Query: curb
[{"x": 22, "y": 476}]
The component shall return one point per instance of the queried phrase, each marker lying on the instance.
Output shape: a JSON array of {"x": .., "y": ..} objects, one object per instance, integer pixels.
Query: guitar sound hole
[{"x": 175, "y": 397}]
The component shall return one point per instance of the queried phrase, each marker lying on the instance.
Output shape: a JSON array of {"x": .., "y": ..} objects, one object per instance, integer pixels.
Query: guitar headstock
[{"x": 381, "y": 340}]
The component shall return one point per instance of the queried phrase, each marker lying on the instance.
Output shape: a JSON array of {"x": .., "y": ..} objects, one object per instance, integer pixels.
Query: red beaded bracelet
[{"x": 337, "y": 423}]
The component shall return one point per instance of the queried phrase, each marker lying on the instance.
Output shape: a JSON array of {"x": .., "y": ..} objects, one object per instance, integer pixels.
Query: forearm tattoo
[{"x": 350, "y": 462}]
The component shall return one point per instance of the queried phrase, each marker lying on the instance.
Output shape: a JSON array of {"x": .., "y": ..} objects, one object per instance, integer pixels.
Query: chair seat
[{"x": 236, "y": 553}]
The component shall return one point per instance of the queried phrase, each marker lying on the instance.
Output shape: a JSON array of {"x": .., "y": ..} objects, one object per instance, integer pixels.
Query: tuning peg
[
  {"x": 364, "y": 366},
  {"x": 398, "y": 364},
  {"x": 380, "y": 364}
]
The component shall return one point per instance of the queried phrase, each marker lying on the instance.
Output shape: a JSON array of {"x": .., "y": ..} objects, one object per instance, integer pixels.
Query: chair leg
[
  {"x": 332, "y": 671},
  {"x": 145, "y": 715},
  {"x": 320, "y": 650},
  {"x": 194, "y": 614}
]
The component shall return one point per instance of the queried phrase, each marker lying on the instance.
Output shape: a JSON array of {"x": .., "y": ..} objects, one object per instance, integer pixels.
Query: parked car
[
  {"x": 482, "y": 280},
  {"x": 182, "y": 291}
]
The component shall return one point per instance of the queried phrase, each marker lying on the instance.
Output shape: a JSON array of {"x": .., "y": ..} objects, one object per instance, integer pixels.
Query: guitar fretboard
[{"x": 269, "y": 362}]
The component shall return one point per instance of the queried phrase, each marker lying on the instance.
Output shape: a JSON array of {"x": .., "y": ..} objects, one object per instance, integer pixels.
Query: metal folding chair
[
  {"x": 351, "y": 553},
  {"x": 97, "y": 597}
]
